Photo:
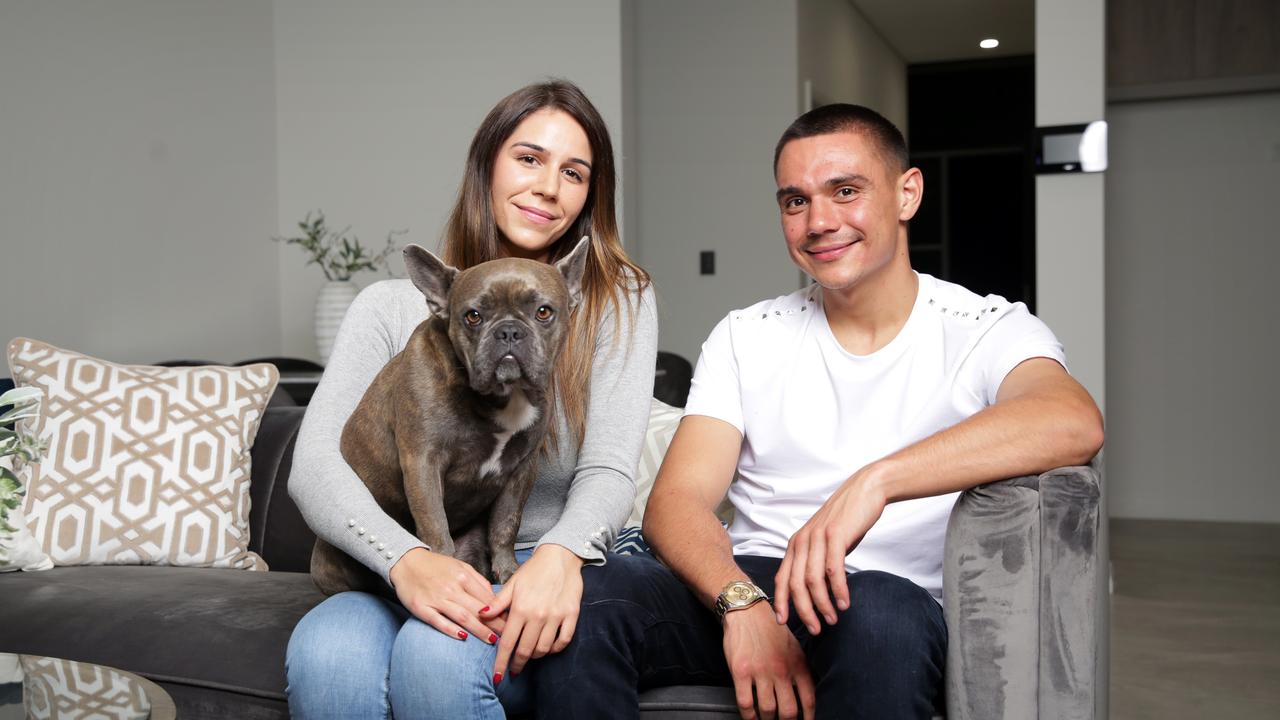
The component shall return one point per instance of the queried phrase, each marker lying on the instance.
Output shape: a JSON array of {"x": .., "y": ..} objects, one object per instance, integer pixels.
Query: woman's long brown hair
[{"x": 472, "y": 235}]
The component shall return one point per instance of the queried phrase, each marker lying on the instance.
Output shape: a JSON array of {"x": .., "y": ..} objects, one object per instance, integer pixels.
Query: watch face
[{"x": 738, "y": 593}]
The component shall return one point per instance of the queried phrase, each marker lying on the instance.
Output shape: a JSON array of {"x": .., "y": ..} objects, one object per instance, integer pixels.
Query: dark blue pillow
[{"x": 630, "y": 542}]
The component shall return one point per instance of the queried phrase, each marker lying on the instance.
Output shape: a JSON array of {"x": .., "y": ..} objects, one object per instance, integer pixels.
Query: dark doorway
[{"x": 970, "y": 131}]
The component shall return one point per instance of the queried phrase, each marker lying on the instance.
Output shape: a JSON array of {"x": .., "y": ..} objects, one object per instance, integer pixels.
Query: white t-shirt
[{"x": 811, "y": 414}]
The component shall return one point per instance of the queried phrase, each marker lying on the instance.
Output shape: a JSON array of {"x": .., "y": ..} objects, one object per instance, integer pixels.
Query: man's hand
[
  {"x": 812, "y": 572},
  {"x": 445, "y": 593},
  {"x": 769, "y": 669},
  {"x": 541, "y": 601}
]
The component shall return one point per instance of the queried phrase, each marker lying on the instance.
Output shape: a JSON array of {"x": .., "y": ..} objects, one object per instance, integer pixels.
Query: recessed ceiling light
[{"x": 989, "y": 43}]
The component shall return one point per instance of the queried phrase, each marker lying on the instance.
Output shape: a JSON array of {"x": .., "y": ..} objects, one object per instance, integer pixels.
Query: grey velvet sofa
[{"x": 1025, "y": 608}]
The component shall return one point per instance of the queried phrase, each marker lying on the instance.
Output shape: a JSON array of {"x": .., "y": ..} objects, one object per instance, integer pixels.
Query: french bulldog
[{"x": 448, "y": 434}]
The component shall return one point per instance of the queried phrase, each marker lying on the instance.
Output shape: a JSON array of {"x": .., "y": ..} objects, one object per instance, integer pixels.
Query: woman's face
[{"x": 540, "y": 182}]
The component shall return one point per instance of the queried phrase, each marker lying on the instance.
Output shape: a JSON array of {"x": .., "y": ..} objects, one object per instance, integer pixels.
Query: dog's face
[{"x": 508, "y": 318}]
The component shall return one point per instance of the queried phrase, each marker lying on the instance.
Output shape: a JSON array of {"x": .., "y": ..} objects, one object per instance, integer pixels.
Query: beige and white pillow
[
  {"x": 663, "y": 421},
  {"x": 146, "y": 465},
  {"x": 19, "y": 550}
]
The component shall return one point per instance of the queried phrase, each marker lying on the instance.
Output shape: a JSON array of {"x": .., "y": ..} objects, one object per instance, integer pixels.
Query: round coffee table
[{"x": 44, "y": 687}]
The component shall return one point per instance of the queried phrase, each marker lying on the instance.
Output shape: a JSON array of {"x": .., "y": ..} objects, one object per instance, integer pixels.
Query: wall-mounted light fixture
[
  {"x": 989, "y": 43},
  {"x": 1072, "y": 148}
]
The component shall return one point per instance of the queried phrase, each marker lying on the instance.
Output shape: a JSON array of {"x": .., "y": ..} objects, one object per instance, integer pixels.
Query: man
[{"x": 842, "y": 419}]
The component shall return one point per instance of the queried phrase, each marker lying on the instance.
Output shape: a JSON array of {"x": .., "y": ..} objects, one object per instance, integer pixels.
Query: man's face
[{"x": 841, "y": 207}]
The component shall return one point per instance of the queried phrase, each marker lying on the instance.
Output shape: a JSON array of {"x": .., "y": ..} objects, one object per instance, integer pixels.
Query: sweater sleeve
[
  {"x": 332, "y": 498},
  {"x": 604, "y": 484}
]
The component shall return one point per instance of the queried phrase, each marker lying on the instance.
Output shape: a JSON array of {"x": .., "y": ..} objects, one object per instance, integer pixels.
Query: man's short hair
[{"x": 843, "y": 117}]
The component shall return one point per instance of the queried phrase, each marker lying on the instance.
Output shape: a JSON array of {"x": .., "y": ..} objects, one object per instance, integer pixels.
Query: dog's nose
[{"x": 509, "y": 333}]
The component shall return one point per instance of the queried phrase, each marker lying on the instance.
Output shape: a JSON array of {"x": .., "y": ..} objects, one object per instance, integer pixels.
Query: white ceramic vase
[{"x": 331, "y": 306}]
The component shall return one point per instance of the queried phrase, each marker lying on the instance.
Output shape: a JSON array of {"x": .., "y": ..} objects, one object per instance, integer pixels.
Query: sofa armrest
[{"x": 1022, "y": 592}]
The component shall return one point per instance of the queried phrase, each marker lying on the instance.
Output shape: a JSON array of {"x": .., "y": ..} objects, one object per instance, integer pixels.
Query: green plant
[
  {"x": 16, "y": 444},
  {"x": 339, "y": 254}
]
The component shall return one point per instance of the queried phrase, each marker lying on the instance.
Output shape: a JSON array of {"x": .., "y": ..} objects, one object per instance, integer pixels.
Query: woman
[{"x": 539, "y": 176}]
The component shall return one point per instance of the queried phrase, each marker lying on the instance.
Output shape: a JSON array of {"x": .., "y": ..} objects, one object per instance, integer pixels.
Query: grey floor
[{"x": 1195, "y": 624}]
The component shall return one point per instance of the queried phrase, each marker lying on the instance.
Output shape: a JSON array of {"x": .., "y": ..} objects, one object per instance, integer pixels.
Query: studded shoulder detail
[{"x": 963, "y": 313}]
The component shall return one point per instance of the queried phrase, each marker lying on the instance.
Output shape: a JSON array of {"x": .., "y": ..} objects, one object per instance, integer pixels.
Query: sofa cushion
[
  {"x": 146, "y": 464},
  {"x": 277, "y": 531},
  {"x": 200, "y": 627}
]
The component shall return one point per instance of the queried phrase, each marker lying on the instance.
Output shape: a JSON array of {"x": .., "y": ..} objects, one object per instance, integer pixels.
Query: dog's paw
[
  {"x": 474, "y": 556},
  {"x": 504, "y": 566}
]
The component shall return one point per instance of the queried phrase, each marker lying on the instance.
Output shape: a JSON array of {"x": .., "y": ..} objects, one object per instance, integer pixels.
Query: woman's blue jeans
[{"x": 356, "y": 655}]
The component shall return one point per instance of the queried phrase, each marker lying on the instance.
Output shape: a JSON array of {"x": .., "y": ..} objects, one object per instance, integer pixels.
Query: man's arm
[
  {"x": 1042, "y": 419},
  {"x": 680, "y": 523}
]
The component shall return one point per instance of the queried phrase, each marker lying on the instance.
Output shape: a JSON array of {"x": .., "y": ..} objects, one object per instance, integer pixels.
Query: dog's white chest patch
[{"x": 518, "y": 415}]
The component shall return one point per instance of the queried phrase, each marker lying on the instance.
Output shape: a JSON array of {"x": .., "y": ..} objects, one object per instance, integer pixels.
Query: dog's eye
[
  {"x": 472, "y": 318},
  {"x": 545, "y": 314}
]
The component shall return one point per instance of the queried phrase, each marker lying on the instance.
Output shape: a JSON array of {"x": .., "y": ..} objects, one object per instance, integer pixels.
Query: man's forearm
[
  {"x": 692, "y": 542},
  {"x": 1024, "y": 435}
]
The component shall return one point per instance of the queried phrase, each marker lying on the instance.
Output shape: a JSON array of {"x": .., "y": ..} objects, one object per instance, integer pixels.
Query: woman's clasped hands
[{"x": 533, "y": 615}]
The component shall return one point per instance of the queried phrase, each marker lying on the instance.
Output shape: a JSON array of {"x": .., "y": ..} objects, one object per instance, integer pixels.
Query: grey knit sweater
[{"x": 581, "y": 496}]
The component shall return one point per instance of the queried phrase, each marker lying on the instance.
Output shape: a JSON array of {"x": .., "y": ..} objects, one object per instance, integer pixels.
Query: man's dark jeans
[{"x": 640, "y": 628}]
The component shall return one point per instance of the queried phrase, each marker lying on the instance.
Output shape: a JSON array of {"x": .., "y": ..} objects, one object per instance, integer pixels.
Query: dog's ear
[
  {"x": 572, "y": 267},
  {"x": 430, "y": 275}
]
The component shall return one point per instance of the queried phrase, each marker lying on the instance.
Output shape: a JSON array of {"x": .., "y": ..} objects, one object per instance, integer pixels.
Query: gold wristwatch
[{"x": 738, "y": 595}]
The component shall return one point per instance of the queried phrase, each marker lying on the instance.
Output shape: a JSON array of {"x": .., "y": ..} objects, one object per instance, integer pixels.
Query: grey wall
[
  {"x": 845, "y": 59},
  {"x": 137, "y": 178},
  {"x": 149, "y": 150},
  {"x": 378, "y": 102},
  {"x": 715, "y": 84},
  {"x": 1192, "y": 253}
]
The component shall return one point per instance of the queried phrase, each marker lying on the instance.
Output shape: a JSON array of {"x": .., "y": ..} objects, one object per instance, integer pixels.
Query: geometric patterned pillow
[
  {"x": 663, "y": 421},
  {"x": 62, "y": 688},
  {"x": 145, "y": 465}
]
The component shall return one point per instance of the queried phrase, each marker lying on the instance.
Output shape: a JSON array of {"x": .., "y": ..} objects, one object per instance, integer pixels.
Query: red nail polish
[
  {"x": 462, "y": 634},
  {"x": 484, "y": 609},
  {"x": 497, "y": 678},
  {"x": 492, "y": 638}
]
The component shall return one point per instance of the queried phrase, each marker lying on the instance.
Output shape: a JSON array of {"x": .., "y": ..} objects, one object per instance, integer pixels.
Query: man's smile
[{"x": 830, "y": 251}]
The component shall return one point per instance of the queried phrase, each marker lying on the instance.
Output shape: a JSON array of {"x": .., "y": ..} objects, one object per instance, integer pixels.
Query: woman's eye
[
  {"x": 527, "y": 159},
  {"x": 472, "y": 318},
  {"x": 545, "y": 314}
]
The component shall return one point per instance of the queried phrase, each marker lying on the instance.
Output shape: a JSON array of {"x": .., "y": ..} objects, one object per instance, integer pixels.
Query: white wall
[
  {"x": 715, "y": 85},
  {"x": 847, "y": 60},
  {"x": 137, "y": 178},
  {"x": 378, "y": 102},
  {"x": 1192, "y": 255},
  {"x": 1070, "y": 263}
]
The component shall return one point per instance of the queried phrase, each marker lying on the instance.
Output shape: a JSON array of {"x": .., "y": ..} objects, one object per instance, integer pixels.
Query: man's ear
[
  {"x": 572, "y": 267},
  {"x": 910, "y": 192},
  {"x": 430, "y": 275}
]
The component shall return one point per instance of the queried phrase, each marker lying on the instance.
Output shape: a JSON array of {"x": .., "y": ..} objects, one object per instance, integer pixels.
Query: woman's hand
[
  {"x": 541, "y": 601},
  {"x": 446, "y": 594}
]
